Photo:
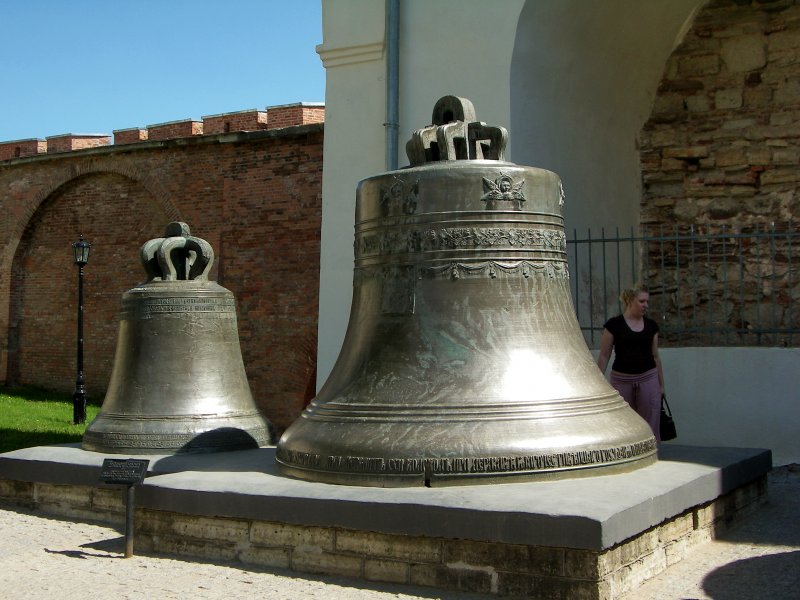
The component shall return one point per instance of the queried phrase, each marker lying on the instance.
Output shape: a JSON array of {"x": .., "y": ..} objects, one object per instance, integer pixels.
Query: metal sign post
[{"x": 129, "y": 472}]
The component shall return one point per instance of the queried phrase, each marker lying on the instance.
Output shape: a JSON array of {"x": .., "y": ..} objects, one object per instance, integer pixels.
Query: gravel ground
[{"x": 43, "y": 557}]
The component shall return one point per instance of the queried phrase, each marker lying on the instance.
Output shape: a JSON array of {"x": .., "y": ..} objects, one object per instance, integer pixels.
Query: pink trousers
[{"x": 643, "y": 393}]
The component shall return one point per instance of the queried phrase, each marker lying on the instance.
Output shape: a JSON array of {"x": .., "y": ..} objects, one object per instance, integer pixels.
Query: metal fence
[{"x": 709, "y": 285}]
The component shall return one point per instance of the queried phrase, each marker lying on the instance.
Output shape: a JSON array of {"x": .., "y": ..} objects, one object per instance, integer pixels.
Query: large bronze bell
[
  {"x": 463, "y": 360},
  {"x": 178, "y": 382}
]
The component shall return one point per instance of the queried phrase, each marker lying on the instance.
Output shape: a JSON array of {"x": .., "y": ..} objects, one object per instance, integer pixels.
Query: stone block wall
[
  {"x": 720, "y": 154},
  {"x": 254, "y": 196}
]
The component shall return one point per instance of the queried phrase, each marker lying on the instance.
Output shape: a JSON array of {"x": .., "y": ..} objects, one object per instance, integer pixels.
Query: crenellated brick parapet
[
  {"x": 301, "y": 113},
  {"x": 244, "y": 120},
  {"x": 22, "y": 148},
  {"x": 130, "y": 135},
  {"x": 273, "y": 117},
  {"x": 174, "y": 129},
  {"x": 76, "y": 141}
]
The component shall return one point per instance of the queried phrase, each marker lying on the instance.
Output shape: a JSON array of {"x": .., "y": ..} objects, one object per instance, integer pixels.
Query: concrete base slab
[
  {"x": 592, "y": 514},
  {"x": 588, "y": 512}
]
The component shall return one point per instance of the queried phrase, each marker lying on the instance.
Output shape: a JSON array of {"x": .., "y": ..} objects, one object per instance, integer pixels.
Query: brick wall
[
  {"x": 256, "y": 197},
  {"x": 22, "y": 148},
  {"x": 69, "y": 142},
  {"x": 283, "y": 116},
  {"x": 130, "y": 135},
  {"x": 174, "y": 129},
  {"x": 246, "y": 120}
]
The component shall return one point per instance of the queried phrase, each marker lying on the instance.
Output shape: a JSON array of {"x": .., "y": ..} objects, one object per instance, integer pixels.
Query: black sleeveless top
[{"x": 633, "y": 350}]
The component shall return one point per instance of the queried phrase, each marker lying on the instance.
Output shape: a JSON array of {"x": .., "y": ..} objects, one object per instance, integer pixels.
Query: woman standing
[{"x": 636, "y": 373}]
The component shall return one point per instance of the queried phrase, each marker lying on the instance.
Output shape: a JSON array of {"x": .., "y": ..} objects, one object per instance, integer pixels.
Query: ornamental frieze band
[
  {"x": 551, "y": 269},
  {"x": 487, "y": 465},
  {"x": 453, "y": 238}
]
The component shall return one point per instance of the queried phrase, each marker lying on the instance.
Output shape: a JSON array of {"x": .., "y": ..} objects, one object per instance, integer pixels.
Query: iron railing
[{"x": 709, "y": 285}]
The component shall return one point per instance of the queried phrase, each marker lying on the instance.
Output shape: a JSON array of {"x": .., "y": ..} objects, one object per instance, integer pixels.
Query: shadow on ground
[{"x": 750, "y": 578}]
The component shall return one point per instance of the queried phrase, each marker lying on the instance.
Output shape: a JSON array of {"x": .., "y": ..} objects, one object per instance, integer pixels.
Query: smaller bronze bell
[{"x": 178, "y": 382}]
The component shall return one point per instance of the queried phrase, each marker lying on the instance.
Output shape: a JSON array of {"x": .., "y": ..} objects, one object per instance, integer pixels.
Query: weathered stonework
[
  {"x": 720, "y": 154},
  {"x": 726, "y": 119}
]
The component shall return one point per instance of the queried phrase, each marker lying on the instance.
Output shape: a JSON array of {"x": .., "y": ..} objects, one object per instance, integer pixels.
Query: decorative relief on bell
[
  {"x": 452, "y": 238},
  {"x": 399, "y": 196},
  {"x": 399, "y": 281},
  {"x": 503, "y": 189},
  {"x": 493, "y": 268},
  {"x": 473, "y": 237},
  {"x": 467, "y": 465},
  {"x": 384, "y": 274},
  {"x": 219, "y": 308}
]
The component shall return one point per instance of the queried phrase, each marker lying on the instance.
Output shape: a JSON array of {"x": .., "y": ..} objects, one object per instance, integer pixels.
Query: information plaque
[{"x": 129, "y": 471}]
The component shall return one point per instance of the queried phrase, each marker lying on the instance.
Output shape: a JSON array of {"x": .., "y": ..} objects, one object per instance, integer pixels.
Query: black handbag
[{"x": 667, "y": 425}]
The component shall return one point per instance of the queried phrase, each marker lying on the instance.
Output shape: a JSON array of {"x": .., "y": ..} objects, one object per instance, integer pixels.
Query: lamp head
[{"x": 81, "y": 250}]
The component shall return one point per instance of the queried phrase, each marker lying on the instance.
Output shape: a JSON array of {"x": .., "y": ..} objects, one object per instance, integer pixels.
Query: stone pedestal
[{"x": 593, "y": 537}]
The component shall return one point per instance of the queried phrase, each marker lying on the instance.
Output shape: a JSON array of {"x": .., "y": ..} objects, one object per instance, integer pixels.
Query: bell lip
[
  {"x": 353, "y": 478},
  {"x": 116, "y": 434},
  {"x": 235, "y": 440}
]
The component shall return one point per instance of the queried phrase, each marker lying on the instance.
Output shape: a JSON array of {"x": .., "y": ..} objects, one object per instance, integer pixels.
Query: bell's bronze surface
[
  {"x": 178, "y": 383},
  {"x": 463, "y": 361}
]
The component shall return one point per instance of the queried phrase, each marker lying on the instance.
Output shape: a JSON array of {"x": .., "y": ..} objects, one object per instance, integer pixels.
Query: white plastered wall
[
  {"x": 447, "y": 47},
  {"x": 355, "y": 110},
  {"x": 583, "y": 80}
]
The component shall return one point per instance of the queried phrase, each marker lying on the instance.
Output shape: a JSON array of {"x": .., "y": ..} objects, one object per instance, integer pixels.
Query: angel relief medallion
[
  {"x": 399, "y": 195},
  {"x": 503, "y": 189}
]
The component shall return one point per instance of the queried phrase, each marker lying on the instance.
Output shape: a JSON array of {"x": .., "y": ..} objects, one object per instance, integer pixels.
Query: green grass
[{"x": 33, "y": 417}]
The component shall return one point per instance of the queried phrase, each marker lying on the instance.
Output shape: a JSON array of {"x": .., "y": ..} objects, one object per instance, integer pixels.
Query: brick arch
[
  {"x": 114, "y": 211},
  {"x": 153, "y": 187},
  {"x": 140, "y": 176}
]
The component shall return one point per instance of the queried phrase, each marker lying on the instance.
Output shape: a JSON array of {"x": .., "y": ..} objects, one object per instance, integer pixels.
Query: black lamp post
[{"x": 81, "y": 251}]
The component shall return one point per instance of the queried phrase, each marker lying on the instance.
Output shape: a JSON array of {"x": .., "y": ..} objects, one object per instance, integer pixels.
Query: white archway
[{"x": 583, "y": 79}]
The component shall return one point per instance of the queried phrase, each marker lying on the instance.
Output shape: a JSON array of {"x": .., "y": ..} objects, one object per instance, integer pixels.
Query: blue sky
[{"x": 93, "y": 66}]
